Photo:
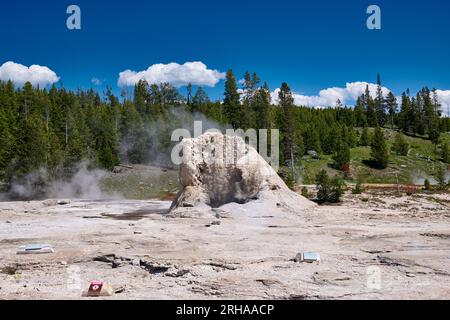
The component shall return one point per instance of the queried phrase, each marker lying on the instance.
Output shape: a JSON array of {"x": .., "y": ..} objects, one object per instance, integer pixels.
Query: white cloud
[
  {"x": 178, "y": 75},
  {"x": 348, "y": 95},
  {"x": 355, "y": 89},
  {"x": 96, "y": 81},
  {"x": 328, "y": 97},
  {"x": 444, "y": 100},
  {"x": 19, "y": 74}
]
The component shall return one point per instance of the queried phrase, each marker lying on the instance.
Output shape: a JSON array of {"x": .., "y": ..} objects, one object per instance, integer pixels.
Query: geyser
[{"x": 217, "y": 169}]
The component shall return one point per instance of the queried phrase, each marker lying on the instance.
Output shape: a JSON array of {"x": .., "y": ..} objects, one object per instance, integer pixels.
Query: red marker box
[{"x": 95, "y": 287}]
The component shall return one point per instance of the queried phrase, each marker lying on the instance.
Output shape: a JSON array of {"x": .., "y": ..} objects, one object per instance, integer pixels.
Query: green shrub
[
  {"x": 427, "y": 185},
  {"x": 400, "y": 146},
  {"x": 440, "y": 177},
  {"x": 328, "y": 189},
  {"x": 358, "y": 188}
]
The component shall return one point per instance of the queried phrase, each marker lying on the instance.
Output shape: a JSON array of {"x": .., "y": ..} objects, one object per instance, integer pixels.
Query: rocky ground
[{"x": 373, "y": 246}]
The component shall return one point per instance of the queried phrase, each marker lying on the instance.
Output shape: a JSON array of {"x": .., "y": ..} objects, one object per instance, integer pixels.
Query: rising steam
[{"x": 84, "y": 184}]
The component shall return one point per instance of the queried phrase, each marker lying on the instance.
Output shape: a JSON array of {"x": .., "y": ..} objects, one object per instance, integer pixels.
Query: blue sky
[{"x": 312, "y": 45}]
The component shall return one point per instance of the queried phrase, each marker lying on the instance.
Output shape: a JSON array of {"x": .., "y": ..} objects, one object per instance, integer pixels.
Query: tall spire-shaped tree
[
  {"x": 379, "y": 104},
  {"x": 391, "y": 103},
  {"x": 261, "y": 107},
  {"x": 379, "y": 149},
  {"x": 370, "y": 107},
  {"x": 287, "y": 129},
  {"x": 231, "y": 102}
]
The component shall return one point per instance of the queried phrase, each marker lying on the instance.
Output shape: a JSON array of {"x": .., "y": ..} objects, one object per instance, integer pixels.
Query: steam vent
[{"x": 219, "y": 169}]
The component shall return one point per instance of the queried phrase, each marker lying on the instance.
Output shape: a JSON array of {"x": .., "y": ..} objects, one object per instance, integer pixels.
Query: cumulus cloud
[
  {"x": 348, "y": 95},
  {"x": 444, "y": 100},
  {"x": 177, "y": 75},
  {"x": 328, "y": 97},
  {"x": 19, "y": 74}
]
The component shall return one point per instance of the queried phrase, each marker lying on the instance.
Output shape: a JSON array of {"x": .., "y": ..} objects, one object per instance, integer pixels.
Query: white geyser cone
[{"x": 219, "y": 169}]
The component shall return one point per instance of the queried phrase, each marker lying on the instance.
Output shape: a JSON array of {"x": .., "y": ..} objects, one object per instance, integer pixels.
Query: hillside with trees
[{"x": 51, "y": 130}]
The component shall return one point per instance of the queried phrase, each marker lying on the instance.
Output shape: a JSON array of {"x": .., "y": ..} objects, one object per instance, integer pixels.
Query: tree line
[{"x": 54, "y": 128}]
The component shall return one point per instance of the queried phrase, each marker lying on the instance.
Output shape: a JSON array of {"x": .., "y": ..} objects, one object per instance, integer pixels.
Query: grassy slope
[
  {"x": 410, "y": 169},
  {"x": 145, "y": 182}
]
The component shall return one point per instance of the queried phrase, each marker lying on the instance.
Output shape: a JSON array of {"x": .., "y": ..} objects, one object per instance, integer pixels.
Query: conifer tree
[
  {"x": 445, "y": 153},
  {"x": 189, "y": 94},
  {"x": 434, "y": 129},
  {"x": 379, "y": 150},
  {"x": 31, "y": 145},
  {"x": 342, "y": 157},
  {"x": 418, "y": 115},
  {"x": 135, "y": 143},
  {"x": 5, "y": 143},
  {"x": 365, "y": 139},
  {"x": 400, "y": 146},
  {"x": 141, "y": 97},
  {"x": 405, "y": 112},
  {"x": 311, "y": 139},
  {"x": 329, "y": 189},
  {"x": 231, "y": 102},
  {"x": 441, "y": 178},
  {"x": 380, "y": 109},
  {"x": 288, "y": 139},
  {"x": 372, "y": 120},
  {"x": 261, "y": 107},
  {"x": 360, "y": 112},
  {"x": 200, "y": 99},
  {"x": 391, "y": 103}
]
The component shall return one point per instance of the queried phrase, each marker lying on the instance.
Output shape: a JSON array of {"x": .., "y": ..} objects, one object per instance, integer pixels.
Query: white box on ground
[
  {"x": 307, "y": 257},
  {"x": 35, "y": 249}
]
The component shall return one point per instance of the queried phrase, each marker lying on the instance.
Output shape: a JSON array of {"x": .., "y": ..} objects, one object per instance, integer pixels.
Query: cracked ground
[{"x": 371, "y": 247}]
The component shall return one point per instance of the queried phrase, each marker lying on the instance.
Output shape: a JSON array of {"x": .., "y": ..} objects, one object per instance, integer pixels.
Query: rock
[
  {"x": 50, "y": 203},
  {"x": 119, "y": 290},
  {"x": 313, "y": 154},
  {"x": 117, "y": 263},
  {"x": 219, "y": 169},
  {"x": 136, "y": 262},
  {"x": 108, "y": 258},
  {"x": 269, "y": 282},
  {"x": 176, "y": 273},
  {"x": 153, "y": 267},
  {"x": 222, "y": 265},
  {"x": 10, "y": 270},
  {"x": 117, "y": 170}
]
